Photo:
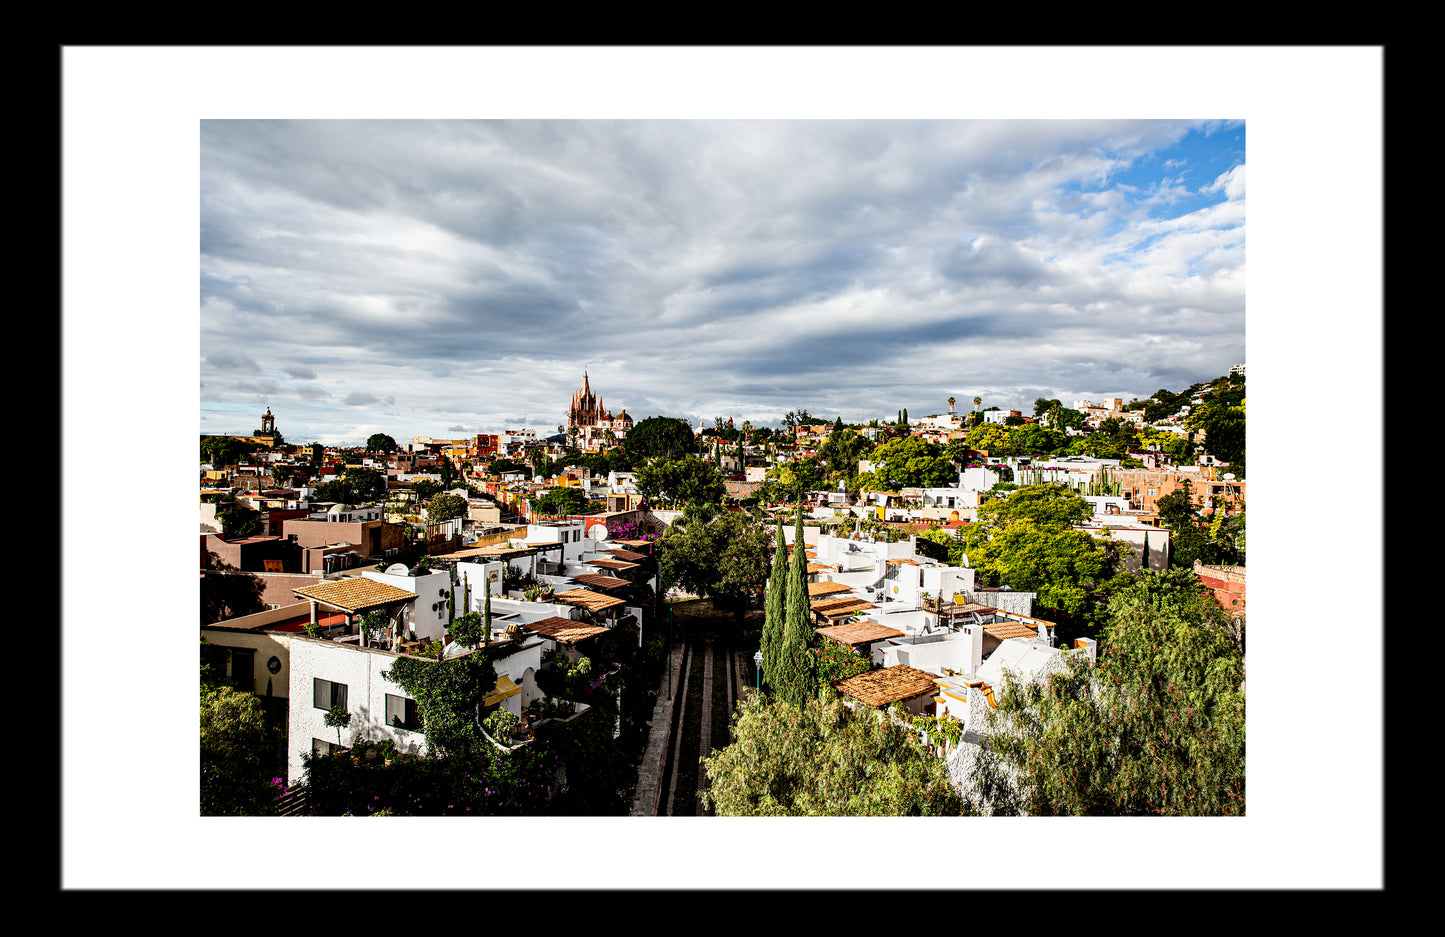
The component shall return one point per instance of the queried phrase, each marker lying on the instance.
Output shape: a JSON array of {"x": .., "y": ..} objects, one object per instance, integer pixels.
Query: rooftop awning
[{"x": 503, "y": 690}]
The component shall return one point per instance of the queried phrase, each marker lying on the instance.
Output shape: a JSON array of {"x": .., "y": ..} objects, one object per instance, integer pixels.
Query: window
[
  {"x": 328, "y": 695},
  {"x": 323, "y": 747},
  {"x": 243, "y": 669},
  {"x": 401, "y": 713}
]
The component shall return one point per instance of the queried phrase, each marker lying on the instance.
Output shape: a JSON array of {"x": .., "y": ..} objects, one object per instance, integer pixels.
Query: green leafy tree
[
  {"x": 1044, "y": 405},
  {"x": 467, "y": 630},
  {"x": 226, "y": 450},
  {"x": 688, "y": 480},
  {"x": 662, "y": 437},
  {"x": 337, "y": 718},
  {"x": 336, "y": 491},
  {"x": 444, "y": 507},
  {"x": 1045, "y": 505},
  {"x": 380, "y": 442},
  {"x": 912, "y": 462},
  {"x": 562, "y": 501},
  {"x": 236, "y": 747},
  {"x": 358, "y": 486},
  {"x": 723, "y": 557},
  {"x": 989, "y": 437},
  {"x": 1188, "y": 535},
  {"x": 424, "y": 489},
  {"x": 1032, "y": 438},
  {"x": 1155, "y": 728},
  {"x": 836, "y": 662},
  {"x": 1026, "y": 542},
  {"x": 838, "y": 456},
  {"x": 1224, "y": 434},
  {"x": 238, "y": 521},
  {"x": 1162, "y": 405},
  {"x": 824, "y": 758},
  {"x": 449, "y": 694}
]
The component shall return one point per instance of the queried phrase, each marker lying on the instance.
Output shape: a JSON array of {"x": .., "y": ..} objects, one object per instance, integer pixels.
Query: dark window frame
[
  {"x": 335, "y": 699},
  {"x": 402, "y": 713}
]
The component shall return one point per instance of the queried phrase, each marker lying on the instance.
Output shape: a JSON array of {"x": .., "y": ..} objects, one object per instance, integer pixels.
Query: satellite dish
[
  {"x": 597, "y": 531},
  {"x": 397, "y": 569}
]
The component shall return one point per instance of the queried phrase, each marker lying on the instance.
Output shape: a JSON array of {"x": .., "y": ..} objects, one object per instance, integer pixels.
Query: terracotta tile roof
[
  {"x": 889, "y": 685},
  {"x": 826, "y": 588},
  {"x": 1003, "y": 630},
  {"x": 821, "y": 568},
  {"x": 859, "y": 633},
  {"x": 628, "y": 555},
  {"x": 354, "y": 594},
  {"x": 618, "y": 565},
  {"x": 589, "y": 600},
  {"x": 597, "y": 581},
  {"x": 564, "y": 630},
  {"x": 496, "y": 550},
  {"x": 832, "y": 608}
]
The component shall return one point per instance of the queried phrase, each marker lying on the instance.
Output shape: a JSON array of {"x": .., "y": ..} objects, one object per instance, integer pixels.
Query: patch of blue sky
[{"x": 1170, "y": 182}]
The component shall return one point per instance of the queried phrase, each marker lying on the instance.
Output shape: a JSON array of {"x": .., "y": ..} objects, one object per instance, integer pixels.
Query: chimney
[{"x": 974, "y": 637}]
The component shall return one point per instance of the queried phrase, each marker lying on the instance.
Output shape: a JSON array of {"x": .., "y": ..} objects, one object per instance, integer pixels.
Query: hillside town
[{"x": 499, "y": 624}]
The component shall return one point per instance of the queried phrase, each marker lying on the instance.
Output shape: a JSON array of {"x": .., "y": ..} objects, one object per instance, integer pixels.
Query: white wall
[
  {"x": 361, "y": 671},
  {"x": 431, "y": 588},
  {"x": 960, "y": 652}
]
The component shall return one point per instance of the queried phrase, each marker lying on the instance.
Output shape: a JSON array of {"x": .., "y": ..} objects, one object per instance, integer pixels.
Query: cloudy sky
[{"x": 452, "y": 277}]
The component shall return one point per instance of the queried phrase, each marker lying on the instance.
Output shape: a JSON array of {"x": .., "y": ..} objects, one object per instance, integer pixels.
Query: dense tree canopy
[
  {"x": 1155, "y": 728},
  {"x": 989, "y": 437},
  {"x": 562, "y": 501},
  {"x": 723, "y": 557},
  {"x": 1026, "y": 541},
  {"x": 444, "y": 507},
  {"x": 798, "y": 476},
  {"x": 662, "y": 437},
  {"x": 911, "y": 462},
  {"x": 824, "y": 759},
  {"x": 380, "y": 442},
  {"x": 238, "y": 521},
  {"x": 840, "y": 452},
  {"x": 226, "y": 450},
  {"x": 688, "y": 480},
  {"x": 358, "y": 486}
]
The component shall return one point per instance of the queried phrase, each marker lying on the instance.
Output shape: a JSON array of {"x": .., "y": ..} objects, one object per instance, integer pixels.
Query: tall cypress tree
[
  {"x": 487, "y": 612},
  {"x": 797, "y": 669},
  {"x": 776, "y": 609}
]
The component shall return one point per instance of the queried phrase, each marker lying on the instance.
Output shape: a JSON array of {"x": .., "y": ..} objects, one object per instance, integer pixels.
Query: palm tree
[
  {"x": 976, "y": 402},
  {"x": 950, "y": 406}
]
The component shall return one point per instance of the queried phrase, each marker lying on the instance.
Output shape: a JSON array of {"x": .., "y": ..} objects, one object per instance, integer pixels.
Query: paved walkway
[{"x": 665, "y": 741}]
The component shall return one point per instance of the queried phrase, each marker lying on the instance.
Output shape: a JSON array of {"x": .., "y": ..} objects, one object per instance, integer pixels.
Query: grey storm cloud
[
  {"x": 362, "y": 399},
  {"x": 232, "y": 361},
  {"x": 456, "y": 273}
]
